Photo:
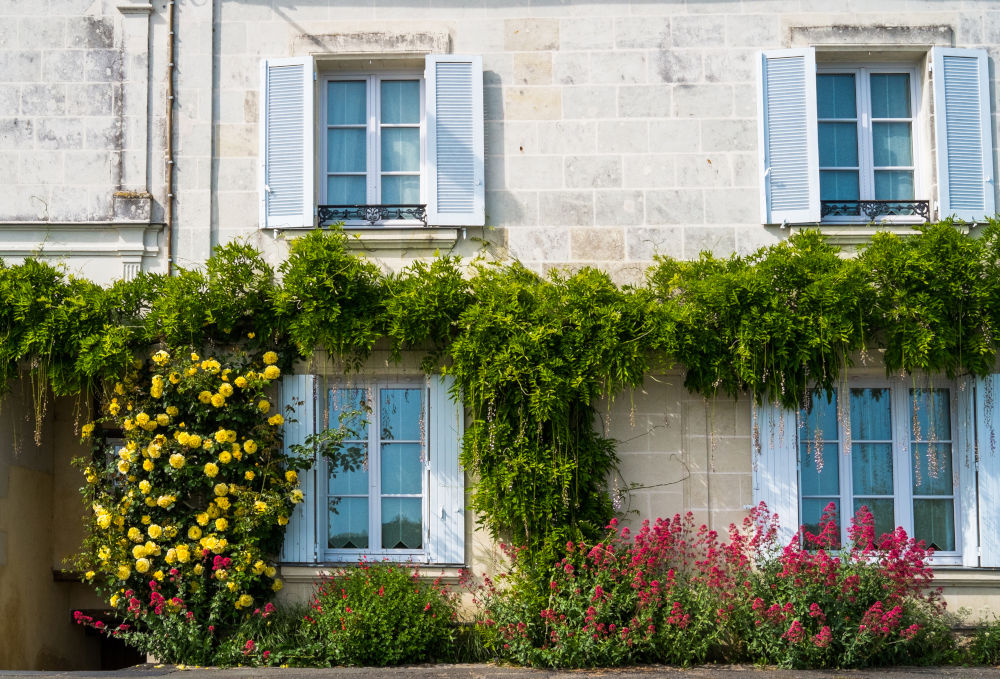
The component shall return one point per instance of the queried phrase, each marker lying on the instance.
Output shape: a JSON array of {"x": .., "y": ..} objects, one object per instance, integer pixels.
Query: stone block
[
  {"x": 618, "y": 208},
  {"x": 91, "y": 99},
  {"x": 237, "y": 140},
  {"x": 535, "y": 172},
  {"x": 643, "y": 243},
  {"x": 523, "y": 35},
  {"x": 642, "y": 32},
  {"x": 730, "y": 66},
  {"x": 103, "y": 66},
  {"x": 512, "y": 208},
  {"x": 754, "y": 30},
  {"x": 697, "y": 30},
  {"x": 566, "y": 208},
  {"x": 746, "y": 169},
  {"x": 593, "y": 171},
  {"x": 17, "y": 133},
  {"x": 538, "y": 244},
  {"x": 8, "y": 34},
  {"x": 566, "y": 137},
  {"x": 588, "y": 102},
  {"x": 479, "y": 37},
  {"x": 732, "y": 206},
  {"x": 42, "y": 31},
  {"x": 512, "y": 139},
  {"x": 103, "y": 133},
  {"x": 590, "y": 33},
  {"x": 675, "y": 206},
  {"x": 23, "y": 66},
  {"x": 237, "y": 174},
  {"x": 644, "y": 101},
  {"x": 647, "y": 171},
  {"x": 533, "y": 103},
  {"x": 10, "y": 99},
  {"x": 652, "y": 469},
  {"x": 728, "y": 135},
  {"x": 720, "y": 241},
  {"x": 571, "y": 68},
  {"x": 63, "y": 65},
  {"x": 8, "y": 176},
  {"x": 40, "y": 167},
  {"x": 533, "y": 68},
  {"x": 43, "y": 100},
  {"x": 703, "y": 101},
  {"x": 90, "y": 32},
  {"x": 595, "y": 245},
  {"x": 674, "y": 136},
  {"x": 679, "y": 65},
  {"x": 703, "y": 170},
  {"x": 620, "y": 67},
  {"x": 59, "y": 133},
  {"x": 745, "y": 101},
  {"x": 749, "y": 241},
  {"x": 623, "y": 137},
  {"x": 89, "y": 167}
]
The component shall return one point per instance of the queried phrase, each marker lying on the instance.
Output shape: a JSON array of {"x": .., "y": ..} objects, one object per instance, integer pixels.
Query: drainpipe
[{"x": 168, "y": 217}]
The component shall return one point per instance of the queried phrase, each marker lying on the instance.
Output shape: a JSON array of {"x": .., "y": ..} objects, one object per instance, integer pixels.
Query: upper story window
[
  {"x": 842, "y": 143},
  {"x": 347, "y": 146}
]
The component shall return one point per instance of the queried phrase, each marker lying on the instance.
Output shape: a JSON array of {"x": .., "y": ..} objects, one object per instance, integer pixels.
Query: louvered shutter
[
  {"x": 963, "y": 133},
  {"x": 964, "y": 462},
  {"x": 298, "y": 392},
  {"x": 455, "y": 191},
  {"x": 988, "y": 456},
  {"x": 776, "y": 466},
  {"x": 446, "y": 499},
  {"x": 787, "y": 134},
  {"x": 286, "y": 171}
]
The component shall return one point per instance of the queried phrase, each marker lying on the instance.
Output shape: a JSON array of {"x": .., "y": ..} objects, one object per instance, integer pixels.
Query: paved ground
[{"x": 494, "y": 672}]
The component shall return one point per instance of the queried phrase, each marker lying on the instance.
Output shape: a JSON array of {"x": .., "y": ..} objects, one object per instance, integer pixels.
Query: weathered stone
[
  {"x": 590, "y": 245},
  {"x": 618, "y": 208},
  {"x": 522, "y": 35},
  {"x": 642, "y": 32},
  {"x": 23, "y": 66},
  {"x": 535, "y": 172},
  {"x": 43, "y": 100},
  {"x": 588, "y": 102},
  {"x": 90, "y": 32},
  {"x": 643, "y": 243},
  {"x": 533, "y": 68},
  {"x": 728, "y": 135},
  {"x": 621, "y": 67},
  {"x": 649, "y": 171},
  {"x": 538, "y": 244},
  {"x": 571, "y": 68},
  {"x": 567, "y": 136},
  {"x": 533, "y": 103},
  {"x": 703, "y": 101},
  {"x": 593, "y": 171},
  {"x": 91, "y": 99},
  {"x": 589, "y": 34},
  {"x": 644, "y": 101},
  {"x": 566, "y": 208},
  {"x": 697, "y": 31},
  {"x": 623, "y": 137},
  {"x": 103, "y": 65},
  {"x": 679, "y": 66},
  {"x": 509, "y": 208},
  {"x": 59, "y": 133},
  {"x": 675, "y": 206}
]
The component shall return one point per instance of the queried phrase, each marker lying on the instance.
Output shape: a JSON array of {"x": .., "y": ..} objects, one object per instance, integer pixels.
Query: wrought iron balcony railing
[
  {"x": 874, "y": 209},
  {"x": 329, "y": 214}
]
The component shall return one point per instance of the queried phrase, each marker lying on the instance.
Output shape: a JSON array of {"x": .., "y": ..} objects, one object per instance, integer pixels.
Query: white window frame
[
  {"x": 902, "y": 458},
  {"x": 374, "y": 479},
  {"x": 866, "y": 173},
  {"x": 373, "y": 183}
]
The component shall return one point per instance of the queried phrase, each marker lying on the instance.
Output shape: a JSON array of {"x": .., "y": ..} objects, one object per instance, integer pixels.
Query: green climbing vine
[{"x": 531, "y": 354}]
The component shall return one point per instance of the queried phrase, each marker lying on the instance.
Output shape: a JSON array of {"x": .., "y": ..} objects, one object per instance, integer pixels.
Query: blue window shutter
[
  {"x": 963, "y": 131},
  {"x": 789, "y": 149},
  {"x": 776, "y": 466},
  {"x": 988, "y": 457},
  {"x": 456, "y": 195},
  {"x": 446, "y": 525},
  {"x": 285, "y": 177},
  {"x": 298, "y": 392},
  {"x": 964, "y": 463}
]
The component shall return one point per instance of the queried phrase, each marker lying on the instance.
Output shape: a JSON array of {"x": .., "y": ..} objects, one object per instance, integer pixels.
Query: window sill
[
  {"x": 309, "y": 574},
  {"x": 853, "y": 234},
  {"x": 402, "y": 237}
]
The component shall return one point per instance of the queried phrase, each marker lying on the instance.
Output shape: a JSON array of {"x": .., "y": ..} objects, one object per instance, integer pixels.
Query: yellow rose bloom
[
  {"x": 128, "y": 424},
  {"x": 270, "y": 358},
  {"x": 142, "y": 565},
  {"x": 238, "y": 454},
  {"x": 296, "y": 496},
  {"x": 259, "y": 567},
  {"x": 148, "y": 465},
  {"x": 226, "y": 389},
  {"x": 138, "y": 552},
  {"x": 174, "y": 377},
  {"x": 194, "y": 533},
  {"x": 221, "y": 489},
  {"x": 248, "y": 475},
  {"x": 87, "y": 429},
  {"x": 104, "y": 520},
  {"x": 114, "y": 600},
  {"x": 182, "y": 437},
  {"x": 161, "y": 357},
  {"x": 171, "y": 555},
  {"x": 205, "y": 396},
  {"x": 145, "y": 520},
  {"x": 123, "y": 467},
  {"x": 114, "y": 408},
  {"x": 211, "y": 469},
  {"x": 213, "y": 511},
  {"x": 277, "y": 585},
  {"x": 221, "y": 524},
  {"x": 170, "y": 531},
  {"x": 194, "y": 356},
  {"x": 193, "y": 370},
  {"x": 276, "y": 420},
  {"x": 270, "y": 571},
  {"x": 282, "y": 520},
  {"x": 104, "y": 553},
  {"x": 177, "y": 460},
  {"x": 198, "y": 569},
  {"x": 223, "y": 502},
  {"x": 232, "y": 587},
  {"x": 263, "y": 405},
  {"x": 119, "y": 388},
  {"x": 220, "y": 436},
  {"x": 165, "y": 501},
  {"x": 245, "y": 601},
  {"x": 183, "y": 554},
  {"x": 158, "y": 575},
  {"x": 250, "y": 446},
  {"x": 240, "y": 381},
  {"x": 221, "y": 545},
  {"x": 291, "y": 476},
  {"x": 123, "y": 572},
  {"x": 141, "y": 419},
  {"x": 154, "y": 531},
  {"x": 153, "y": 450},
  {"x": 225, "y": 457},
  {"x": 172, "y": 411},
  {"x": 194, "y": 441},
  {"x": 152, "y": 548},
  {"x": 163, "y": 419},
  {"x": 272, "y": 372},
  {"x": 134, "y": 534},
  {"x": 260, "y": 507},
  {"x": 231, "y": 436},
  {"x": 251, "y": 335},
  {"x": 218, "y": 400},
  {"x": 150, "y": 502},
  {"x": 221, "y": 574},
  {"x": 202, "y": 520},
  {"x": 145, "y": 486}
]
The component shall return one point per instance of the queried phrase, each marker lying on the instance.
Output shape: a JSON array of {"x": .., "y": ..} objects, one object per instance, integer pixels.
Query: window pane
[
  {"x": 400, "y": 149},
  {"x": 822, "y": 416},
  {"x": 353, "y": 405},
  {"x": 890, "y": 95},
  {"x": 838, "y": 185},
  {"x": 401, "y": 523},
  {"x": 934, "y": 523},
  {"x": 838, "y": 144},
  {"x": 348, "y": 190},
  {"x": 400, "y": 101},
  {"x": 402, "y": 414},
  {"x": 812, "y": 512},
  {"x": 826, "y": 482},
  {"x": 400, "y": 189},
  {"x": 351, "y": 478},
  {"x": 931, "y": 410},
  {"x": 835, "y": 96},
  {"x": 870, "y": 416},
  {"x": 892, "y": 144},
  {"x": 346, "y": 103},
  {"x": 346, "y": 150},
  {"x": 401, "y": 469},
  {"x": 348, "y": 523},
  {"x": 893, "y": 185},
  {"x": 883, "y": 512},
  {"x": 933, "y": 474},
  {"x": 871, "y": 468}
]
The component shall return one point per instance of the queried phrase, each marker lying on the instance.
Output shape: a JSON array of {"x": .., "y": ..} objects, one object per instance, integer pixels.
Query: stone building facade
[{"x": 611, "y": 132}]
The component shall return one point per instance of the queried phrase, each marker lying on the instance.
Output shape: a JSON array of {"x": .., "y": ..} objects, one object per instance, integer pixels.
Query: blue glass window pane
[
  {"x": 346, "y": 150},
  {"x": 836, "y": 96},
  {"x": 401, "y": 523},
  {"x": 892, "y": 144},
  {"x": 401, "y": 413},
  {"x": 400, "y": 149},
  {"x": 348, "y": 521},
  {"x": 346, "y": 190},
  {"x": 934, "y": 523},
  {"x": 894, "y": 185},
  {"x": 355, "y": 481},
  {"x": 401, "y": 469},
  {"x": 346, "y": 103},
  {"x": 871, "y": 468},
  {"x": 349, "y": 407},
  {"x": 838, "y": 185},
  {"x": 400, "y": 189},
  {"x": 870, "y": 415},
  {"x": 932, "y": 414},
  {"x": 933, "y": 476},
  {"x": 838, "y": 144},
  {"x": 882, "y": 510},
  {"x": 826, "y": 482},
  {"x": 812, "y": 513},
  {"x": 822, "y": 416},
  {"x": 400, "y": 102},
  {"x": 890, "y": 95}
]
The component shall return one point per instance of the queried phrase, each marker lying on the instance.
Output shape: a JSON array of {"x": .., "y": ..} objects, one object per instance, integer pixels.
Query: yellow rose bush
[{"x": 182, "y": 516}]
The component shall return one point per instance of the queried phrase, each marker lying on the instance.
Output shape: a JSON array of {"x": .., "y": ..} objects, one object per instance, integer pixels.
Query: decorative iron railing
[
  {"x": 873, "y": 209},
  {"x": 329, "y": 214}
]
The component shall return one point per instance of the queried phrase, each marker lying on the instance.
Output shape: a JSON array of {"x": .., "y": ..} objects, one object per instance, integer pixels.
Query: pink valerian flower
[
  {"x": 823, "y": 639},
  {"x": 266, "y": 655},
  {"x": 795, "y": 632},
  {"x": 248, "y": 648},
  {"x": 816, "y": 612}
]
